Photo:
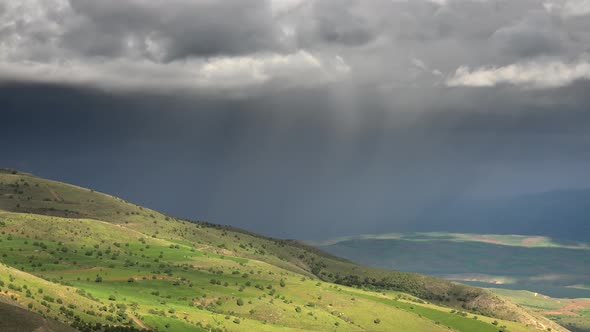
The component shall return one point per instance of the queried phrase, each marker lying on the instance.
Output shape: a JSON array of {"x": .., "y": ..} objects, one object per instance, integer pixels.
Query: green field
[{"x": 92, "y": 260}]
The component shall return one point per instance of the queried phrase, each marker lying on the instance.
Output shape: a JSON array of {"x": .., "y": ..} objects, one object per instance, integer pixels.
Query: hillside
[
  {"x": 90, "y": 260},
  {"x": 511, "y": 262},
  {"x": 574, "y": 314},
  {"x": 24, "y": 320}
]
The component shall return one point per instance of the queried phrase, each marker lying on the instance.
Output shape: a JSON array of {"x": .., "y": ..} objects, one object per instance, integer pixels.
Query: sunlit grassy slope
[
  {"x": 89, "y": 260},
  {"x": 571, "y": 313}
]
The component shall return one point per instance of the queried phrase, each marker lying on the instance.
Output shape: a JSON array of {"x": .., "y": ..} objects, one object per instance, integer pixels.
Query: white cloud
[
  {"x": 215, "y": 73},
  {"x": 419, "y": 64},
  {"x": 280, "y": 7},
  {"x": 536, "y": 74},
  {"x": 568, "y": 8},
  {"x": 291, "y": 69}
]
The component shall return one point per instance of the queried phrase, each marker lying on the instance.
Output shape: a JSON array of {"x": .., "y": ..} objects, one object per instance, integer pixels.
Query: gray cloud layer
[{"x": 263, "y": 44}]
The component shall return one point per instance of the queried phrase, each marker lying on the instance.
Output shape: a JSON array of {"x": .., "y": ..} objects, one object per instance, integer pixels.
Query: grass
[
  {"x": 134, "y": 283},
  {"x": 82, "y": 257},
  {"x": 577, "y": 320},
  {"x": 440, "y": 317}
]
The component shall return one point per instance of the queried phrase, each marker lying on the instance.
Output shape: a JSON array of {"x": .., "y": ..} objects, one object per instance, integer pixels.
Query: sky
[{"x": 298, "y": 118}]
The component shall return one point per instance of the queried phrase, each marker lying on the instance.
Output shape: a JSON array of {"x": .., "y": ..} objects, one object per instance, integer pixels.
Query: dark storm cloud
[
  {"x": 298, "y": 117},
  {"x": 538, "y": 34},
  {"x": 349, "y": 23},
  {"x": 185, "y": 28},
  {"x": 238, "y": 45}
]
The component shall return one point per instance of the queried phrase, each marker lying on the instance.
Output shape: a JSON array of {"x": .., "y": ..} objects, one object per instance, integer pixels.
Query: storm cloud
[
  {"x": 205, "y": 44},
  {"x": 298, "y": 117}
]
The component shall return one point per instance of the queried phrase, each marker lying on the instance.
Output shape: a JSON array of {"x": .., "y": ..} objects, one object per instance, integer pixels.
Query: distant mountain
[{"x": 560, "y": 214}]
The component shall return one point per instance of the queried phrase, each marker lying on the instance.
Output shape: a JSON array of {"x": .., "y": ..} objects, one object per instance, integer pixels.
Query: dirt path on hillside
[
  {"x": 138, "y": 321},
  {"x": 55, "y": 195},
  {"x": 206, "y": 301},
  {"x": 569, "y": 309}
]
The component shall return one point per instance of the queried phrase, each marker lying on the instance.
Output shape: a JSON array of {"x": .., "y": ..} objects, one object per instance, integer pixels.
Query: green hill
[{"x": 92, "y": 260}]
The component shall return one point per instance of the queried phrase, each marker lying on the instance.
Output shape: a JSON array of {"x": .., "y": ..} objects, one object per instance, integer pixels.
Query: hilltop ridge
[{"x": 114, "y": 255}]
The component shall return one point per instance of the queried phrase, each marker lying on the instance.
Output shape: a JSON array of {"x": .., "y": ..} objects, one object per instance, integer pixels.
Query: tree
[{"x": 240, "y": 302}]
